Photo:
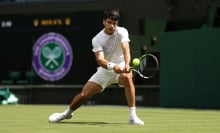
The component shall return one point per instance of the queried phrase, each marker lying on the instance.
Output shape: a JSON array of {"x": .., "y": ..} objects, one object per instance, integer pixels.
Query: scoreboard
[{"x": 19, "y": 33}]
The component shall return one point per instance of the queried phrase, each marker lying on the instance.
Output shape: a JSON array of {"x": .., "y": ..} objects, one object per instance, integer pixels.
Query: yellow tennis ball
[{"x": 136, "y": 61}]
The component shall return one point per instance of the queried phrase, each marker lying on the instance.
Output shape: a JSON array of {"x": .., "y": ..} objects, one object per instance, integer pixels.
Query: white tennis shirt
[{"x": 111, "y": 44}]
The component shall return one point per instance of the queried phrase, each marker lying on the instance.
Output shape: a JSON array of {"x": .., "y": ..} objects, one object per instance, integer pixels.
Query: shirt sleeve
[
  {"x": 124, "y": 35},
  {"x": 96, "y": 45}
]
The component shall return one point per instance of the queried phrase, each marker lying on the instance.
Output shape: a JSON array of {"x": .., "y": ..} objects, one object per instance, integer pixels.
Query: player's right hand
[{"x": 117, "y": 69}]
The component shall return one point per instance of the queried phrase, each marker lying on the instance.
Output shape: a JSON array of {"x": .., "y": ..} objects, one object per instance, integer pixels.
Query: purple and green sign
[{"x": 52, "y": 56}]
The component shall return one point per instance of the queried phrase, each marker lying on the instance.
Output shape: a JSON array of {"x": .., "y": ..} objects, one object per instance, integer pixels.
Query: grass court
[{"x": 107, "y": 119}]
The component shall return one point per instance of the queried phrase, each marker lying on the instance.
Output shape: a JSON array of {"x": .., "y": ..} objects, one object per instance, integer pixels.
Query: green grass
[{"x": 107, "y": 119}]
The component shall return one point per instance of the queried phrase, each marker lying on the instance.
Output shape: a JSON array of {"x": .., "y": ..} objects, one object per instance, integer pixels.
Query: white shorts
[{"x": 104, "y": 77}]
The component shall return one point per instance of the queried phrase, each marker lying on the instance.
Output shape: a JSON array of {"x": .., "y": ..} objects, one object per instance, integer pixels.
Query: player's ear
[{"x": 103, "y": 21}]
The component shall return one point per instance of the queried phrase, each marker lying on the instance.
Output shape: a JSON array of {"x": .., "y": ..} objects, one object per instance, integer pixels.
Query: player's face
[{"x": 110, "y": 26}]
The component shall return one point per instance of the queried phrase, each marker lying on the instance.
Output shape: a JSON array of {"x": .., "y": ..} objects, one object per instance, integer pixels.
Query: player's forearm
[
  {"x": 127, "y": 56},
  {"x": 127, "y": 59},
  {"x": 103, "y": 63}
]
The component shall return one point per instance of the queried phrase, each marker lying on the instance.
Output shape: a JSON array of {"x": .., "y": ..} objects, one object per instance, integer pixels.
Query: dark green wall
[{"x": 190, "y": 73}]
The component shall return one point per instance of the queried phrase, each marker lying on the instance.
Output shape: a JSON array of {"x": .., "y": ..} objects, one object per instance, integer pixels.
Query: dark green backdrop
[{"x": 190, "y": 74}]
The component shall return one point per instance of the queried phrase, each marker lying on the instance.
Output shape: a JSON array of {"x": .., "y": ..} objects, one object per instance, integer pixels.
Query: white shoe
[
  {"x": 57, "y": 117},
  {"x": 135, "y": 121}
]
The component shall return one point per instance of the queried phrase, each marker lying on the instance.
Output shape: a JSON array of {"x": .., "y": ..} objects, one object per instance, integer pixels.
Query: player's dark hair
[{"x": 112, "y": 14}]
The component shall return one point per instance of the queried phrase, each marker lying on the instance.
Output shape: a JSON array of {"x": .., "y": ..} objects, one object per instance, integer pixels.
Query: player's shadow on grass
[{"x": 90, "y": 123}]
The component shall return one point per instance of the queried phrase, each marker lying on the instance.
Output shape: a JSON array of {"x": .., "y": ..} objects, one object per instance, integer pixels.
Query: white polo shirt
[{"x": 111, "y": 44}]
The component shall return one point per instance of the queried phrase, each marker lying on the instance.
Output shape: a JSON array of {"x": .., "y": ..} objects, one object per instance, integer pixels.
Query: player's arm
[
  {"x": 99, "y": 55},
  {"x": 127, "y": 56}
]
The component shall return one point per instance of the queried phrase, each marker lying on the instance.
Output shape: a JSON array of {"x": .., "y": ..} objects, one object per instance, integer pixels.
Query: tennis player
[{"x": 112, "y": 53}]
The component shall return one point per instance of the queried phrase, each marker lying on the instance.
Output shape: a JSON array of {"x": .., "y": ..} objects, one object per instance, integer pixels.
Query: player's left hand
[
  {"x": 118, "y": 69},
  {"x": 126, "y": 69}
]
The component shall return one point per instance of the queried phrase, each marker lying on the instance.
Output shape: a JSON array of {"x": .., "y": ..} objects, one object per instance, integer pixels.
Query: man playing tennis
[{"x": 112, "y": 53}]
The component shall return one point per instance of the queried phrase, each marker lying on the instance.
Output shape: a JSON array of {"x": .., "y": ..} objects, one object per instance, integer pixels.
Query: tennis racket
[{"x": 148, "y": 67}]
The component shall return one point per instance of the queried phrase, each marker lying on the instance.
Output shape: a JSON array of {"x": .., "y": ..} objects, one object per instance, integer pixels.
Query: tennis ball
[{"x": 136, "y": 61}]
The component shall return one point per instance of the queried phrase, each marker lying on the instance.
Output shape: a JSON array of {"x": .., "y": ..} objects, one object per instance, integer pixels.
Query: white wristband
[{"x": 110, "y": 66}]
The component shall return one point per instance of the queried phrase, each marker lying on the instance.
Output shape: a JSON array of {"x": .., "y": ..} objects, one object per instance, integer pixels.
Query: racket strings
[
  {"x": 148, "y": 66},
  {"x": 143, "y": 63}
]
